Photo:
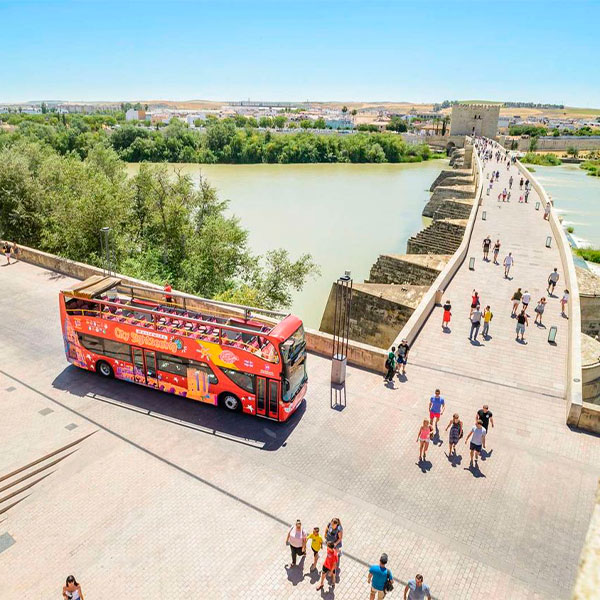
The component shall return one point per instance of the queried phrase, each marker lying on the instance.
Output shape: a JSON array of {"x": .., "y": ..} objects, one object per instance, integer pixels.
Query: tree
[
  {"x": 44, "y": 108},
  {"x": 320, "y": 123},
  {"x": 533, "y": 143},
  {"x": 354, "y": 111},
  {"x": 344, "y": 109},
  {"x": 397, "y": 124},
  {"x": 445, "y": 122},
  {"x": 279, "y": 121},
  {"x": 573, "y": 151}
]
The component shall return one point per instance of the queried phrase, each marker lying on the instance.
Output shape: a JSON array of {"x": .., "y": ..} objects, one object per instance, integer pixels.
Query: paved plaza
[{"x": 169, "y": 498}]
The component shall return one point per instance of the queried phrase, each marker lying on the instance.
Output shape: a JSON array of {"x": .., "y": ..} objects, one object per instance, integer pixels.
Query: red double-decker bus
[{"x": 241, "y": 358}]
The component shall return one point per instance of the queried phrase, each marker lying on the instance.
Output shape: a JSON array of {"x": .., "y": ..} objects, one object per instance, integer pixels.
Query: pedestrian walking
[
  {"x": 510, "y": 182},
  {"x": 552, "y": 281},
  {"x": 539, "y": 310},
  {"x": 521, "y": 184},
  {"x": 478, "y": 434},
  {"x": 402, "y": 356},
  {"x": 6, "y": 250},
  {"x": 416, "y": 589},
  {"x": 508, "y": 197},
  {"x": 487, "y": 242},
  {"x": 390, "y": 364},
  {"x": 563, "y": 302},
  {"x": 526, "y": 196},
  {"x": 456, "y": 432},
  {"x": 447, "y": 314},
  {"x": 487, "y": 318},
  {"x": 380, "y": 578},
  {"x": 71, "y": 589},
  {"x": 475, "y": 302},
  {"x": 329, "y": 566},
  {"x": 547, "y": 210},
  {"x": 522, "y": 322},
  {"x": 475, "y": 323},
  {"x": 437, "y": 406},
  {"x": 516, "y": 300},
  {"x": 334, "y": 533},
  {"x": 316, "y": 543},
  {"x": 486, "y": 417},
  {"x": 525, "y": 300},
  {"x": 296, "y": 539},
  {"x": 423, "y": 437},
  {"x": 508, "y": 263},
  {"x": 496, "y": 251}
]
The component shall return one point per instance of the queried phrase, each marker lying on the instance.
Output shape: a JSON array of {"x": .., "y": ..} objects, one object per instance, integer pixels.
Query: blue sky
[{"x": 537, "y": 51}]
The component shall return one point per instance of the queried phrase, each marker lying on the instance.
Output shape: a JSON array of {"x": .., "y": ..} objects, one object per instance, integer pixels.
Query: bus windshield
[{"x": 293, "y": 351}]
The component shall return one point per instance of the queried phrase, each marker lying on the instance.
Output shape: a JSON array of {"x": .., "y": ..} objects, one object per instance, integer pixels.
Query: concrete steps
[{"x": 441, "y": 237}]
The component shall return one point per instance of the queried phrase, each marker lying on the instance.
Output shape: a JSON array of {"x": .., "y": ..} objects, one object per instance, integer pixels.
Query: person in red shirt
[
  {"x": 168, "y": 288},
  {"x": 329, "y": 565}
]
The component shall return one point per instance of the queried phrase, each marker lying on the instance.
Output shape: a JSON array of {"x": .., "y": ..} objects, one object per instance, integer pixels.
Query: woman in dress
[
  {"x": 496, "y": 252},
  {"x": 447, "y": 314},
  {"x": 456, "y": 430}
]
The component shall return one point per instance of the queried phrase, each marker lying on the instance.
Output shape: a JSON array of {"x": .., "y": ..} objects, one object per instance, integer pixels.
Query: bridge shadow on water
[{"x": 206, "y": 419}]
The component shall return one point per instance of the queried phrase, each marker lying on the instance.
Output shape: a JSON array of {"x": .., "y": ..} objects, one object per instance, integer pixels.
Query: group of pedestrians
[
  {"x": 297, "y": 539},
  {"x": 430, "y": 427},
  {"x": 396, "y": 361}
]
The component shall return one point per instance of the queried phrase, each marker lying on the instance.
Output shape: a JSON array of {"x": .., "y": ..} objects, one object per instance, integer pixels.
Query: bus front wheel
[
  {"x": 231, "y": 402},
  {"x": 104, "y": 369}
]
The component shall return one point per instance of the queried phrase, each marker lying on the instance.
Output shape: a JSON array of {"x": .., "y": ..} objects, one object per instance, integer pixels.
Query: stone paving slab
[{"x": 157, "y": 508}]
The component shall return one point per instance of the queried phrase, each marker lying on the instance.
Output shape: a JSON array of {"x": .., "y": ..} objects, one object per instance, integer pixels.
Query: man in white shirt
[{"x": 526, "y": 299}]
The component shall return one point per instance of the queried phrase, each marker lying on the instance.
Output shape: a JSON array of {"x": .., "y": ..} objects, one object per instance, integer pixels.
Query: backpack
[{"x": 388, "y": 586}]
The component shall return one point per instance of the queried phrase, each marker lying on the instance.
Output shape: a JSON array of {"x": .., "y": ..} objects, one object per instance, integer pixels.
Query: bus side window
[{"x": 204, "y": 368}]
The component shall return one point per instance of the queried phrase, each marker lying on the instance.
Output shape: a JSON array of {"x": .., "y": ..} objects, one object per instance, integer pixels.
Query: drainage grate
[
  {"x": 45, "y": 411},
  {"x": 71, "y": 426},
  {"x": 6, "y": 541},
  {"x": 12, "y": 388}
]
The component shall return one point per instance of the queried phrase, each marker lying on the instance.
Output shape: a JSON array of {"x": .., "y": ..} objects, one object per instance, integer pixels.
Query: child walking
[
  {"x": 447, "y": 314},
  {"x": 316, "y": 543}
]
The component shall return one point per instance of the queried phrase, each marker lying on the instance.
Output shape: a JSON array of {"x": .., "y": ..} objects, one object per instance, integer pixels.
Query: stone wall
[
  {"x": 447, "y": 192},
  {"x": 459, "y": 177},
  {"x": 441, "y": 237},
  {"x": 478, "y": 119},
  {"x": 587, "y": 584},
  {"x": 590, "y": 369},
  {"x": 553, "y": 144},
  {"x": 415, "y": 269},
  {"x": 589, "y": 299},
  {"x": 378, "y": 311}
]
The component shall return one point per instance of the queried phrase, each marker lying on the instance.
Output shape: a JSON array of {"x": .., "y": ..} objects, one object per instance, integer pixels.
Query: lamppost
[
  {"x": 341, "y": 328},
  {"x": 106, "y": 251}
]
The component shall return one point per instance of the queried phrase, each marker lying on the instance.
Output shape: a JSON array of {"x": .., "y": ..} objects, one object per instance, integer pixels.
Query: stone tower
[{"x": 478, "y": 119}]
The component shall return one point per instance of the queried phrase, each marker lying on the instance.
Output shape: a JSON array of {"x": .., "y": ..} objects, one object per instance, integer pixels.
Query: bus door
[
  {"x": 144, "y": 366},
  {"x": 267, "y": 397}
]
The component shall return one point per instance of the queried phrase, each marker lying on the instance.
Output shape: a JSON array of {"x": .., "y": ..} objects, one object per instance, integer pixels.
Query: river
[
  {"x": 576, "y": 197},
  {"x": 345, "y": 215}
]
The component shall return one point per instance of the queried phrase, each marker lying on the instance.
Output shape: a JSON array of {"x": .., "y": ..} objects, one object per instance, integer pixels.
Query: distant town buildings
[{"x": 135, "y": 115}]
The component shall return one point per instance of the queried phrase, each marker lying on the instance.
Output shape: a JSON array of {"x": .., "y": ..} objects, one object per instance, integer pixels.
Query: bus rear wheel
[
  {"x": 230, "y": 402},
  {"x": 104, "y": 369}
]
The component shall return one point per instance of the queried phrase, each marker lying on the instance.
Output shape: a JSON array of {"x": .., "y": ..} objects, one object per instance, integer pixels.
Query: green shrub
[
  {"x": 546, "y": 160},
  {"x": 591, "y": 254}
]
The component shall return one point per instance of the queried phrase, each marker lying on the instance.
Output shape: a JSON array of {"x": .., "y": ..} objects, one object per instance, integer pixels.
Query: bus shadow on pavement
[{"x": 248, "y": 430}]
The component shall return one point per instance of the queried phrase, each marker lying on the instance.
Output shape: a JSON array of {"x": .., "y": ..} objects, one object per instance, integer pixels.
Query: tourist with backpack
[
  {"x": 390, "y": 364},
  {"x": 380, "y": 578}
]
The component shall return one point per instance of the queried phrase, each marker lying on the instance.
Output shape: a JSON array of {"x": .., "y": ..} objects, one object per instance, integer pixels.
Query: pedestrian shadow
[
  {"x": 390, "y": 385},
  {"x": 402, "y": 378},
  {"x": 541, "y": 326},
  {"x": 337, "y": 396},
  {"x": 313, "y": 576},
  {"x": 437, "y": 440},
  {"x": 476, "y": 343},
  {"x": 474, "y": 470},
  {"x": 446, "y": 330},
  {"x": 424, "y": 465},
  {"x": 564, "y": 316},
  {"x": 295, "y": 574},
  {"x": 485, "y": 454},
  {"x": 522, "y": 342},
  {"x": 487, "y": 337},
  {"x": 329, "y": 594},
  {"x": 454, "y": 459}
]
